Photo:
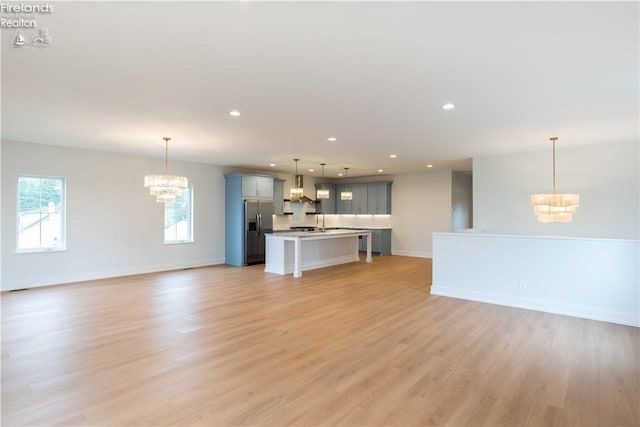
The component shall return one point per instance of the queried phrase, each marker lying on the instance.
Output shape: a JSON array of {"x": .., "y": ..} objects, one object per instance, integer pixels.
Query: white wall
[
  {"x": 114, "y": 227},
  {"x": 606, "y": 176},
  {"x": 461, "y": 201},
  {"x": 591, "y": 278},
  {"x": 420, "y": 206}
]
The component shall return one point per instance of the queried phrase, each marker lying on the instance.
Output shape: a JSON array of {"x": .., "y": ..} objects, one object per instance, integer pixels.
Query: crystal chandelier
[
  {"x": 165, "y": 187},
  {"x": 322, "y": 193},
  {"x": 555, "y": 207},
  {"x": 346, "y": 194},
  {"x": 297, "y": 190}
]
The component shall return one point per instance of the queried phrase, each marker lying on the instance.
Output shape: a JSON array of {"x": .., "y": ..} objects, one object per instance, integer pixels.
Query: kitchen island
[{"x": 292, "y": 252}]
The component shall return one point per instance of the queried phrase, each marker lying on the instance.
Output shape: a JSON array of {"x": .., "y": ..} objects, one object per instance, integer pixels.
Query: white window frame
[
  {"x": 63, "y": 214},
  {"x": 190, "y": 239}
]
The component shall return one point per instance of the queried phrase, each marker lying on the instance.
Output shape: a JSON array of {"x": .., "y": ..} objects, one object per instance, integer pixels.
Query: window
[
  {"x": 41, "y": 213},
  {"x": 178, "y": 218}
]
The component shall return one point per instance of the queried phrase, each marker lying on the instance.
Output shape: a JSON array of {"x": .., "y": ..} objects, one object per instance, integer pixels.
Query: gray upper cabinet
[
  {"x": 372, "y": 198},
  {"x": 379, "y": 198},
  {"x": 326, "y": 206},
  {"x": 257, "y": 187},
  {"x": 342, "y": 206},
  {"x": 278, "y": 196},
  {"x": 360, "y": 197}
]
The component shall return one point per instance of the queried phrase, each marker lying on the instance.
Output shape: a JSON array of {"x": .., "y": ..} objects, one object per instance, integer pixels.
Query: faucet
[{"x": 322, "y": 229}]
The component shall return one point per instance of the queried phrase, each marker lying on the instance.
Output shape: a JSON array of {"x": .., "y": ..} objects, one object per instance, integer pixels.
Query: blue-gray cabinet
[
  {"x": 380, "y": 241},
  {"x": 326, "y": 206},
  {"x": 256, "y": 187},
  {"x": 278, "y": 196},
  {"x": 379, "y": 198},
  {"x": 360, "y": 198},
  {"x": 342, "y": 206},
  {"x": 372, "y": 198},
  {"x": 238, "y": 188}
]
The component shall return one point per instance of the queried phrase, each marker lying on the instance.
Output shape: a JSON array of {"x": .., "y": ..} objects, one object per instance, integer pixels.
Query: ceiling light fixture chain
[
  {"x": 555, "y": 207},
  {"x": 297, "y": 189},
  {"x": 323, "y": 192},
  {"x": 347, "y": 194},
  {"x": 166, "y": 154},
  {"x": 553, "y": 141},
  {"x": 165, "y": 187}
]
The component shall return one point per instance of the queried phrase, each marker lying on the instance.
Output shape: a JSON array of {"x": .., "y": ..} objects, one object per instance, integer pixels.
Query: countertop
[{"x": 327, "y": 233}]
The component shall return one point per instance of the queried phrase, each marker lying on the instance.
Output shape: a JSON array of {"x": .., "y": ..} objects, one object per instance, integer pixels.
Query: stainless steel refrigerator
[{"x": 258, "y": 220}]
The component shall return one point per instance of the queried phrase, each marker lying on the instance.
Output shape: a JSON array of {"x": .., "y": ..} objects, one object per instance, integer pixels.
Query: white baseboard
[
  {"x": 312, "y": 265},
  {"x": 629, "y": 319},
  {"x": 413, "y": 254},
  {"x": 36, "y": 282},
  {"x": 280, "y": 271}
]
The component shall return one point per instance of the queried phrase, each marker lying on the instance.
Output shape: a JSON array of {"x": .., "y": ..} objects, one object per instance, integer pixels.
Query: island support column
[
  {"x": 297, "y": 272},
  {"x": 297, "y": 250}
]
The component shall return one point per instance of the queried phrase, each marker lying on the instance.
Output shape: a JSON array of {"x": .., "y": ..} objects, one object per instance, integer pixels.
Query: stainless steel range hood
[
  {"x": 297, "y": 191},
  {"x": 303, "y": 199},
  {"x": 299, "y": 183}
]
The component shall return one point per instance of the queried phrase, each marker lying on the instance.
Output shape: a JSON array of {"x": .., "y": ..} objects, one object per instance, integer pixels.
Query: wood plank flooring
[{"x": 352, "y": 345}]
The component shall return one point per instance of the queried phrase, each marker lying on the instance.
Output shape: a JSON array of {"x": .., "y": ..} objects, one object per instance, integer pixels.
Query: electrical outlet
[{"x": 523, "y": 284}]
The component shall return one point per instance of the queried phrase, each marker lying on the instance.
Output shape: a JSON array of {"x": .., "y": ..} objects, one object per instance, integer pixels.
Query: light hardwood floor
[{"x": 358, "y": 345}]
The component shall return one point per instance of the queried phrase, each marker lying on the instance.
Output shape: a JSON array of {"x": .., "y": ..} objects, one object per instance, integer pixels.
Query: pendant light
[
  {"x": 322, "y": 193},
  {"x": 555, "y": 207},
  {"x": 297, "y": 190},
  {"x": 165, "y": 187},
  {"x": 346, "y": 194}
]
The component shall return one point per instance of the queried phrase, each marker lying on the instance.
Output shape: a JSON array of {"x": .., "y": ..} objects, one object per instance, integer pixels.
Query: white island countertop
[
  {"x": 294, "y": 251},
  {"x": 320, "y": 234}
]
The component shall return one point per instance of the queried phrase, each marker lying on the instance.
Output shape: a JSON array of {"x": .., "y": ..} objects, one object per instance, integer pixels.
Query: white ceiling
[{"x": 119, "y": 76}]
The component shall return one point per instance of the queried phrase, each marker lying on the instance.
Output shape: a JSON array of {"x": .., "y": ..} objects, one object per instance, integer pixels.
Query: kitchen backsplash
[{"x": 300, "y": 218}]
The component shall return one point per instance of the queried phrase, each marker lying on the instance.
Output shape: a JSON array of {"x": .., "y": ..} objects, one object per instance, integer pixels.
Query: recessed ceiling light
[
  {"x": 429, "y": 166},
  {"x": 340, "y": 174},
  {"x": 380, "y": 170},
  {"x": 393, "y": 156},
  {"x": 448, "y": 106},
  {"x": 234, "y": 113},
  {"x": 311, "y": 170},
  {"x": 272, "y": 164},
  {"x": 332, "y": 138}
]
